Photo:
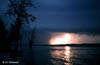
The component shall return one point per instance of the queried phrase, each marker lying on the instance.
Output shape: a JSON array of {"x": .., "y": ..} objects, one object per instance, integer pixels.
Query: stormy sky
[{"x": 64, "y": 14}]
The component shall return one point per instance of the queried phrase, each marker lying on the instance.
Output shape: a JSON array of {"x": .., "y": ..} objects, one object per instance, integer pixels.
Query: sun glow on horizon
[{"x": 63, "y": 39}]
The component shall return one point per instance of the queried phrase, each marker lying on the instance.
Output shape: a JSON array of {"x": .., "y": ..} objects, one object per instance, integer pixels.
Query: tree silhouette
[
  {"x": 18, "y": 9},
  {"x": 3, "y": 37}
]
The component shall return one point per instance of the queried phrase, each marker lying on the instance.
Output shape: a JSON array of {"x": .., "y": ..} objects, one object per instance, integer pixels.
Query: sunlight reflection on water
[
  {"x": 61, "y": 56},
  {"x": 66, "y": 55}
]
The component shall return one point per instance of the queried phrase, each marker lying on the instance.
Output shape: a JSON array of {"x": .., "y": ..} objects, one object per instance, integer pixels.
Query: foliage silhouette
[
  {"x": 4, "y": 45},
  {"x": 9, "y": 39},
  {"x": 18, "y": 9}
]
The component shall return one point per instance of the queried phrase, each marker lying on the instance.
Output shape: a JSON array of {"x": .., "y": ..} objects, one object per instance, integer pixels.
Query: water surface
[{"x": 66, "y": 55}]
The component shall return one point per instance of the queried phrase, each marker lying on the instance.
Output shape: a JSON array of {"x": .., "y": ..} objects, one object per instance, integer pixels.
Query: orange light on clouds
[{"x": 63, "y": 39}]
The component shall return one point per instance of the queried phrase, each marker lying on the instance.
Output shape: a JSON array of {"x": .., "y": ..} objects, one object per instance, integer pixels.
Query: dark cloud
[{"x": 64, "y": 13}]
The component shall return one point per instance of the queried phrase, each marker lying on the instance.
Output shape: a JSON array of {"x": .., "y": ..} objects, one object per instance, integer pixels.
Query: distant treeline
[{"x": 74, "y": 45}]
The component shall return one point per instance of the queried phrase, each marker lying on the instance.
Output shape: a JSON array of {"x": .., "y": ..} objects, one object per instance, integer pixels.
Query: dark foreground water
[
  {"x": 46, "y": 55},
  {"x": 67, "y": 55}
]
